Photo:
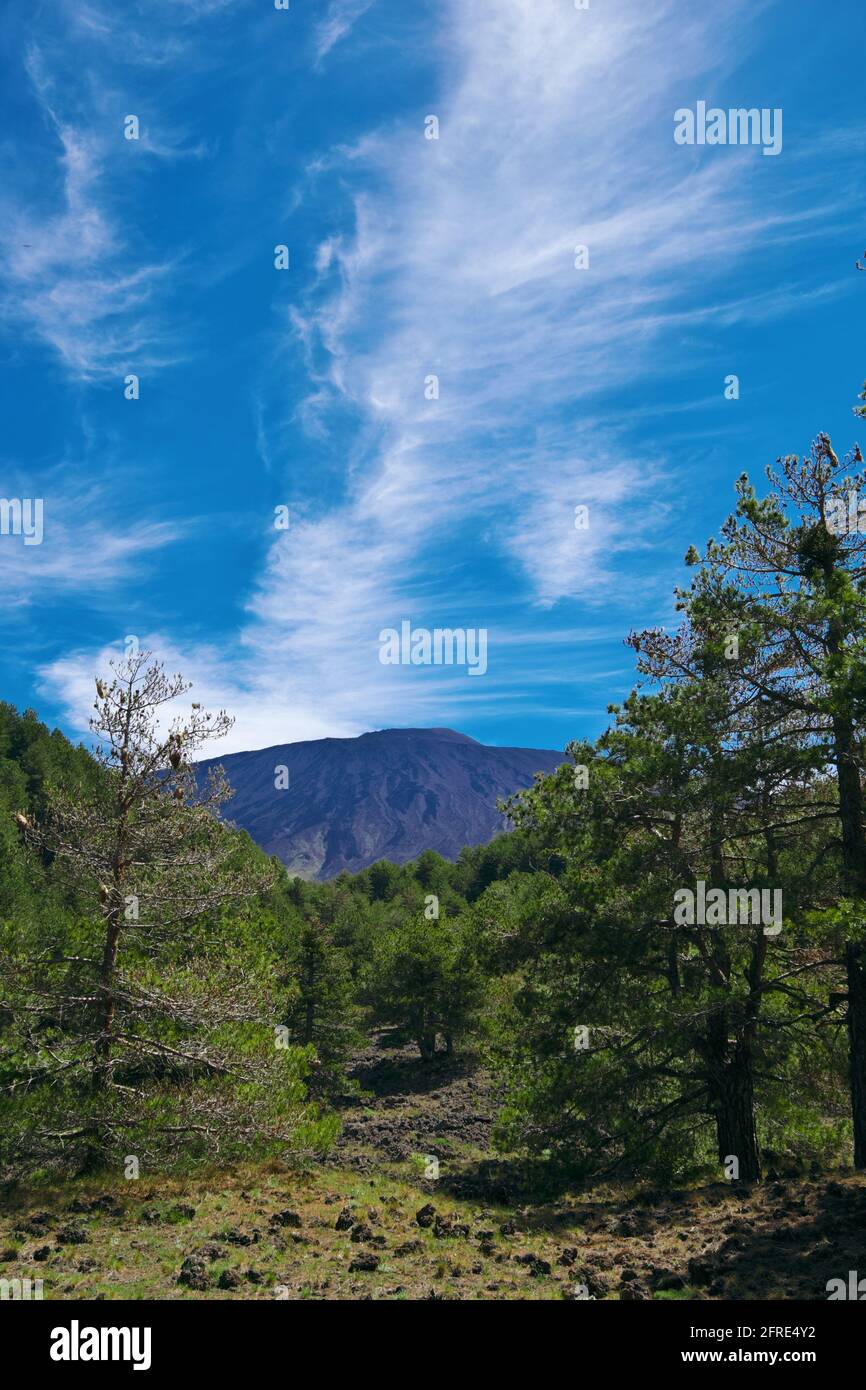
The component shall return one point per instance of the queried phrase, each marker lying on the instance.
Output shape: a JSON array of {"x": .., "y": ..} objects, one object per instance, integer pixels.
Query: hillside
[
  {"x": 387, "y": 795},
  {"x": 370, "y": 1225}
]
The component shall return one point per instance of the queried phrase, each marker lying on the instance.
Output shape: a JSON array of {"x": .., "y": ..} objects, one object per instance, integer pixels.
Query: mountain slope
[{"x": 386, "y": 795}]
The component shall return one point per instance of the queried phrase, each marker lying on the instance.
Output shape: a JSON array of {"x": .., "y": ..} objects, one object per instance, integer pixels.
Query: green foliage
[
  {"x": 194, "y": 1071},
  {"x": 425, "y": 977},
  {"x": 321, "y": 1012},
  {"x": 630, "y": 1038},
  {"x": 704, "y": 1040}
]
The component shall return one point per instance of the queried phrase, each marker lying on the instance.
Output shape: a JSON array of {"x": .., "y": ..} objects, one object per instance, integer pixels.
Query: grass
[
  {"x": 137, "y": 1252},
  {"x": 132, "y": 1238},
  {"x": 505, "y": 1229}
]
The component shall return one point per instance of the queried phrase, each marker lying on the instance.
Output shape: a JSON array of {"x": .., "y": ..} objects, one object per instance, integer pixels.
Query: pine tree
[
  {"x": 142, "y": 1023},
  {"x": 425, "y": 977},
  {"x": 322, "y": 1012},
  {"x": 789, "y": 576}
]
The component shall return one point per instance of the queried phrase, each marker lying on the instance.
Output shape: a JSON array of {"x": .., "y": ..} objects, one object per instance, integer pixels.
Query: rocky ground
[
  {"x": 371, "y": 1225},
  {"x": 443, "y": 1108}
]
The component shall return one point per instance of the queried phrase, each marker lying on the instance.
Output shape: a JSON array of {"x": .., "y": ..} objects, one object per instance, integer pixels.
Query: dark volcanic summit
[{"x": 386, "y": 795}]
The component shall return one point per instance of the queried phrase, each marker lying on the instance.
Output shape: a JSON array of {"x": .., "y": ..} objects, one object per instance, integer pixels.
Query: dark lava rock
[
  {"x": 364, "y": 1264},
  {"x": 108, "y": 1204},
  {"x": 229, "y": 1279},
  {"x": 194, "y": 1274},
  {"x": 42, "y": 1253},
  {"x": 733, "y": 1243},
  {"x": 71, "y": 1235},
  {"x": 210, "y": 1251},
  {"x": 633, "y": 1293},
  {"x": 538, "y": 1268},
  {"x": 345, "y": 1221},
  {"x": 630, "y": 1226},
  {"x": 426, "y": 1216},
  {"x": 38, "y": 1224},
  {"x": 595, "y": 1283},
  {"x": 286, "y": 1218},
  {"x": 443, "y": 1228},
  {"x": 235, "y": 1237},
  {"x": 104, "y": 1203}
]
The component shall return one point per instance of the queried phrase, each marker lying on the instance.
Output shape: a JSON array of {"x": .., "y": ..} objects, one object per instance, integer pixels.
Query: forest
[{"x": 170, "y": 998}]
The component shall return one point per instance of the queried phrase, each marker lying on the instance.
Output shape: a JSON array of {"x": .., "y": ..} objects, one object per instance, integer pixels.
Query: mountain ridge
[{"x": 385, "y": 794}]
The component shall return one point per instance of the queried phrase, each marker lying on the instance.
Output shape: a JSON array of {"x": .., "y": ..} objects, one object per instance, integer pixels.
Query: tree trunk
[
  {"x": 854, "y": 864},
  {"x": 94, "y": 1156},
  {"x": 735, "y": 1117},
  {"x": 108, "y": 1003},
  {"x": 116, "y": 903},
  {"x": 850, "y": 806},
  {"x": 855, "y": 960},
  {"x": 732, "y": 1099}
]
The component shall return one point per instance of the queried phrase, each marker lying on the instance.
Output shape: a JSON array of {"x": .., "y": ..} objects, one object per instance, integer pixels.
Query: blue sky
[{"x": 409, "y": 257}]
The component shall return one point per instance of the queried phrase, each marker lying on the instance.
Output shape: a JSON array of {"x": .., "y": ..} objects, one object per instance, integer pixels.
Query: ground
[{"x": 371, "y": 1225}]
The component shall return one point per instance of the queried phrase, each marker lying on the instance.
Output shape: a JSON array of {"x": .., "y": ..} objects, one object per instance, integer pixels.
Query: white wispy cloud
[
  {"x": 555, "y": 131},
  {"x": 338, "y": 22},
  {"x": 269, "y": 708},
  {"x": 66, "y": 275},
  {"x": 261, "y": 705},
  {"x": 74, "y": 274},
  {"x": 84, "y": 548}
]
